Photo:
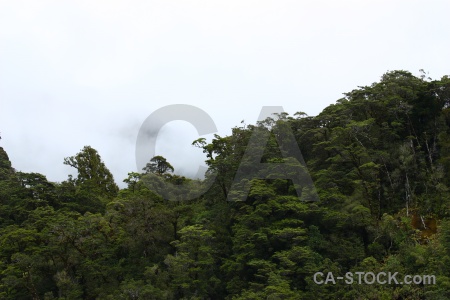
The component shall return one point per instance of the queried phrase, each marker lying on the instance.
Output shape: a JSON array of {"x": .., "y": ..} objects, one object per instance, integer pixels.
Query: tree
[
  {"x": 132, "y": 180},
  {"x": 5, "y": 165},
  {"x": 92, "y": 172},
  {"x": 192, "y": 267},
  {"x": 158, "y": 165}
]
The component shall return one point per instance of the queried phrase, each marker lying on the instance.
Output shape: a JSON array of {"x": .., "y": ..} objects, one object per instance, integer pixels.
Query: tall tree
[
  {"x": 158, "y": 165},
  {"x": 92, "y": 172}
]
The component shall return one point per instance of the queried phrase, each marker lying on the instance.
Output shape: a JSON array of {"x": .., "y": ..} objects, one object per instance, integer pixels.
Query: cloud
[{"x": 90, "y": 72}]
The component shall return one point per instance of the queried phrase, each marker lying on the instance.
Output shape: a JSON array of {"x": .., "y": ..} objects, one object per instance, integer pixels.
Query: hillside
[{"x": 379, "y": 161}]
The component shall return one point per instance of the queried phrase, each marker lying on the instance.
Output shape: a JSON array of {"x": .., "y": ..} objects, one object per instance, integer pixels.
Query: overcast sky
[{"x": 76, "y": 73}]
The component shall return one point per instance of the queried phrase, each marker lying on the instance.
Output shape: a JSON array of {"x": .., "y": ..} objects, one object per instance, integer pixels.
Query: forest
[{"x": 379, "y": 159}]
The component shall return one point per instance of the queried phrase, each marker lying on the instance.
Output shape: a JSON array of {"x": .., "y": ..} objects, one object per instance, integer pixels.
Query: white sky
[{"x": 76, "y": 73}]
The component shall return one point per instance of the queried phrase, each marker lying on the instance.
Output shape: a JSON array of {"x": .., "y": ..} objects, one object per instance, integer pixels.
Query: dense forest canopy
[{"x": 380, "y": 162}]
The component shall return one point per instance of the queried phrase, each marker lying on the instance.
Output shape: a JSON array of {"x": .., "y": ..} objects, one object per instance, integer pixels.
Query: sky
[{"x": 76, "y": 73}]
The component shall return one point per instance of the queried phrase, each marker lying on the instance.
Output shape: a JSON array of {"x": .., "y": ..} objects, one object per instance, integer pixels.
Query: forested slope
[{"x": 379, "y": 159}]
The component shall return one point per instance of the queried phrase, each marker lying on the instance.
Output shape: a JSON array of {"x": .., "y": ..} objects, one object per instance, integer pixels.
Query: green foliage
[
  {"x": 93, "y": 176},
  {"x": 158, "y": 165},
  {"x": 380, "y": 162}
]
